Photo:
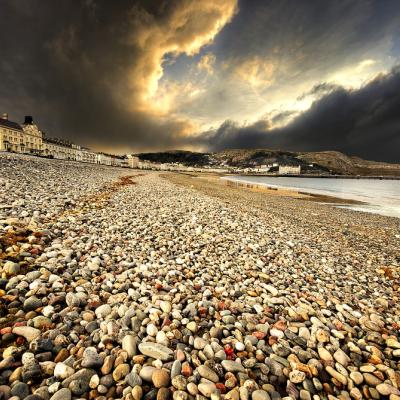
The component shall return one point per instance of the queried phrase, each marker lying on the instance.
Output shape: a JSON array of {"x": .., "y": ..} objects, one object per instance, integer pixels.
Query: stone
[
  {"x": 260, "y": 395},
  {"x": 20, "y": 389},
  {"x": 160, "y": 378},
  {"x": 176, "y": 368},
  {"x": 27, "y": 332},
  {"x": 341, "y": 357},
  {"x": 341, "y": 378},
  {"x": 151, "y": 330},
  {"x": 11, "y": 268},
  {"x": 146, "y": 372},
  {"x": 371, "y": 379},
  {"x": 161, "y": 338},
  {"x": 166, "y": 306},
  {"x": 163, "y": 394},
  {"x": 296, "y": 376},
  {"x": 192, "y": 326},
  {"x": 137, "y": 392},
  {"x": 179, "y": 382},
  {"x": 324, "y": 354},
  {"x": 62, "y": 394},
  {"x": 207, "y": 388},
  {"x": 94, "y": 381},
  {"x": 121, "y": 371},
  {"x": 79, "y": 380},
  {"x": 102, "y": 311},
  {"x": 91, "y": 359},
  {"x": 133, "y": 379},
  {"x": 274, "y": 292},
  {"x": 107, "y": 365},
  {"x": 386, "y": 390},
  {"x": 199, "y": 343},
  {"x": 63, "y": 371},
  {"x": 322, "y": 336},
  {"x": 180, "y": 395},
  {"x": 356, "y": 377},
  {"x": 156, "y": 350},
  {"x": 32, "y": 303},
  {"x": 305, "y": 395},
  {"x": 192, "y": 389},
  {"x": 232, "y": 366},
  {"x": 239, "y": 346},
  {"x": 208, "y": 373}
]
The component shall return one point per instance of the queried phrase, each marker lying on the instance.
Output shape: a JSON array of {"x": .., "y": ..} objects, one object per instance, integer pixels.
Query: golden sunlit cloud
[
  {"x": 256, "y": 71},
  {"x": 206, "y": 63},
  {"x": 171, "y": 94},
  {"x": 355, "y": 76},
  {"x": 187, "y": 28}
]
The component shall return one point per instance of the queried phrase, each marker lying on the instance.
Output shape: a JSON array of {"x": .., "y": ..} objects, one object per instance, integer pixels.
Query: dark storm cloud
[
  {"x": 319, "y": 90},
  {"x": 307, "y": 37},
  {"x": 58, "y": 60},
  {"x": 82, "y": 68},
  {"x": 364, "y": 122}
]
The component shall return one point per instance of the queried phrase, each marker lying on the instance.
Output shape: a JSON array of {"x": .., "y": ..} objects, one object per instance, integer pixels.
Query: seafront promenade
[{"x": 128, "y": 284}]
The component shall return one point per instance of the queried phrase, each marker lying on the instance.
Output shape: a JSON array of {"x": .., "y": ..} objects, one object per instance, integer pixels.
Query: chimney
[
  {"x": 5, "y": 116},
  {"x": 28, "y": 120}
]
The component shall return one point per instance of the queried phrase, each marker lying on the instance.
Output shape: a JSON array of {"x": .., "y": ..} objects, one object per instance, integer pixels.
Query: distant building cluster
[{"x": 27, "y": 138}]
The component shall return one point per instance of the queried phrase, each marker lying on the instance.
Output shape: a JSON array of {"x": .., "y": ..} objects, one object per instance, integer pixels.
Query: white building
[
  {"x": 88, "y": 155},
  {"x": 289, "y": 170},
  {"x": 57, "y": 148},
  {"x": 11, "y": 135},
  {"x": 32, "y": 137},
  {"x": 103, "y": 158},
  {"x": 27, "y": 138},
  {"x": 133, "y": 161}
]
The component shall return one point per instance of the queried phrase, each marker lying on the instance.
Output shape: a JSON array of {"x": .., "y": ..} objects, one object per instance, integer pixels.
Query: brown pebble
[
  {"x": 61, "y": 356},
  {"x": 163, "y": 394},
  {"x": 160, "y": 378}
]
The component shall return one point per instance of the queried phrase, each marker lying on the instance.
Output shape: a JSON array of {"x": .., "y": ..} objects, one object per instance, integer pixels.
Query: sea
[{"x": 380, "y": 196}]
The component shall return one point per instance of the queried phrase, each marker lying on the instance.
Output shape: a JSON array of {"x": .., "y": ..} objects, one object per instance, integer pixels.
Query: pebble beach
[{"x": 136, "y": 285}]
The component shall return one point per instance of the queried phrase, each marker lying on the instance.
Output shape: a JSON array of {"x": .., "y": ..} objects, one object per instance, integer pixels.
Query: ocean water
[{"x": 380, "y": 196}]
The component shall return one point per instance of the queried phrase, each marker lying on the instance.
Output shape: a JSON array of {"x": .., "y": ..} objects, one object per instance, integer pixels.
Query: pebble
[
  {"x": 207, "y": 388},
  {"x": 120, "y": 372},
  {"x": 29, "y": 333},
  {"x": 296, "y": 376},
  {"x": 102, "y": 311},
  {"x": 63, "y": 371},
  {"x": 109, "y": 294},
  {"x": 156, "y": 350},
  {"x": 91, "y": 359},
  {"x": 129, "y": 345},
  {"x": 208, "y": 373},
  {"x": 232, "y": 366},
  {"x": 386, "y": 390},
  {"x": 62, "y": 394},
  {"x": 260, "y": 395},
  {"x": 356, "y": 377},
  {"x": 160, "y": 378}
]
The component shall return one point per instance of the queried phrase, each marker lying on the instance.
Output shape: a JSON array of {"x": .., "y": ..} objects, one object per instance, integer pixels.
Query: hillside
[
  {"x": 342, "y": 164},
  {"x": 332, "y": 162}
]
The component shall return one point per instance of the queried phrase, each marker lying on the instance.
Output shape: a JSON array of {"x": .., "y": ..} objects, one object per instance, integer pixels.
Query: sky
[{"x": 206, "y": 75}]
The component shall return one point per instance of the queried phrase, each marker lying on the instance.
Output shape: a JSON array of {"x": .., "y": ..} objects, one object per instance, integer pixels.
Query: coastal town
[{"x": 27, "y": 138}]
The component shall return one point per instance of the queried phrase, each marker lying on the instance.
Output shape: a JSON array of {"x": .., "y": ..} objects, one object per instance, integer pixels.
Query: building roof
[
  {"x": 10, "y": 125},
  {"x": 59, "y": 142}
]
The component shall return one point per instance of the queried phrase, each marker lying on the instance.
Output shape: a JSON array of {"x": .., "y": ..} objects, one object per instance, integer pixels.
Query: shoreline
[
  {"x": 372, "y": 177},
  {"x": 292, "y": 192}
]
